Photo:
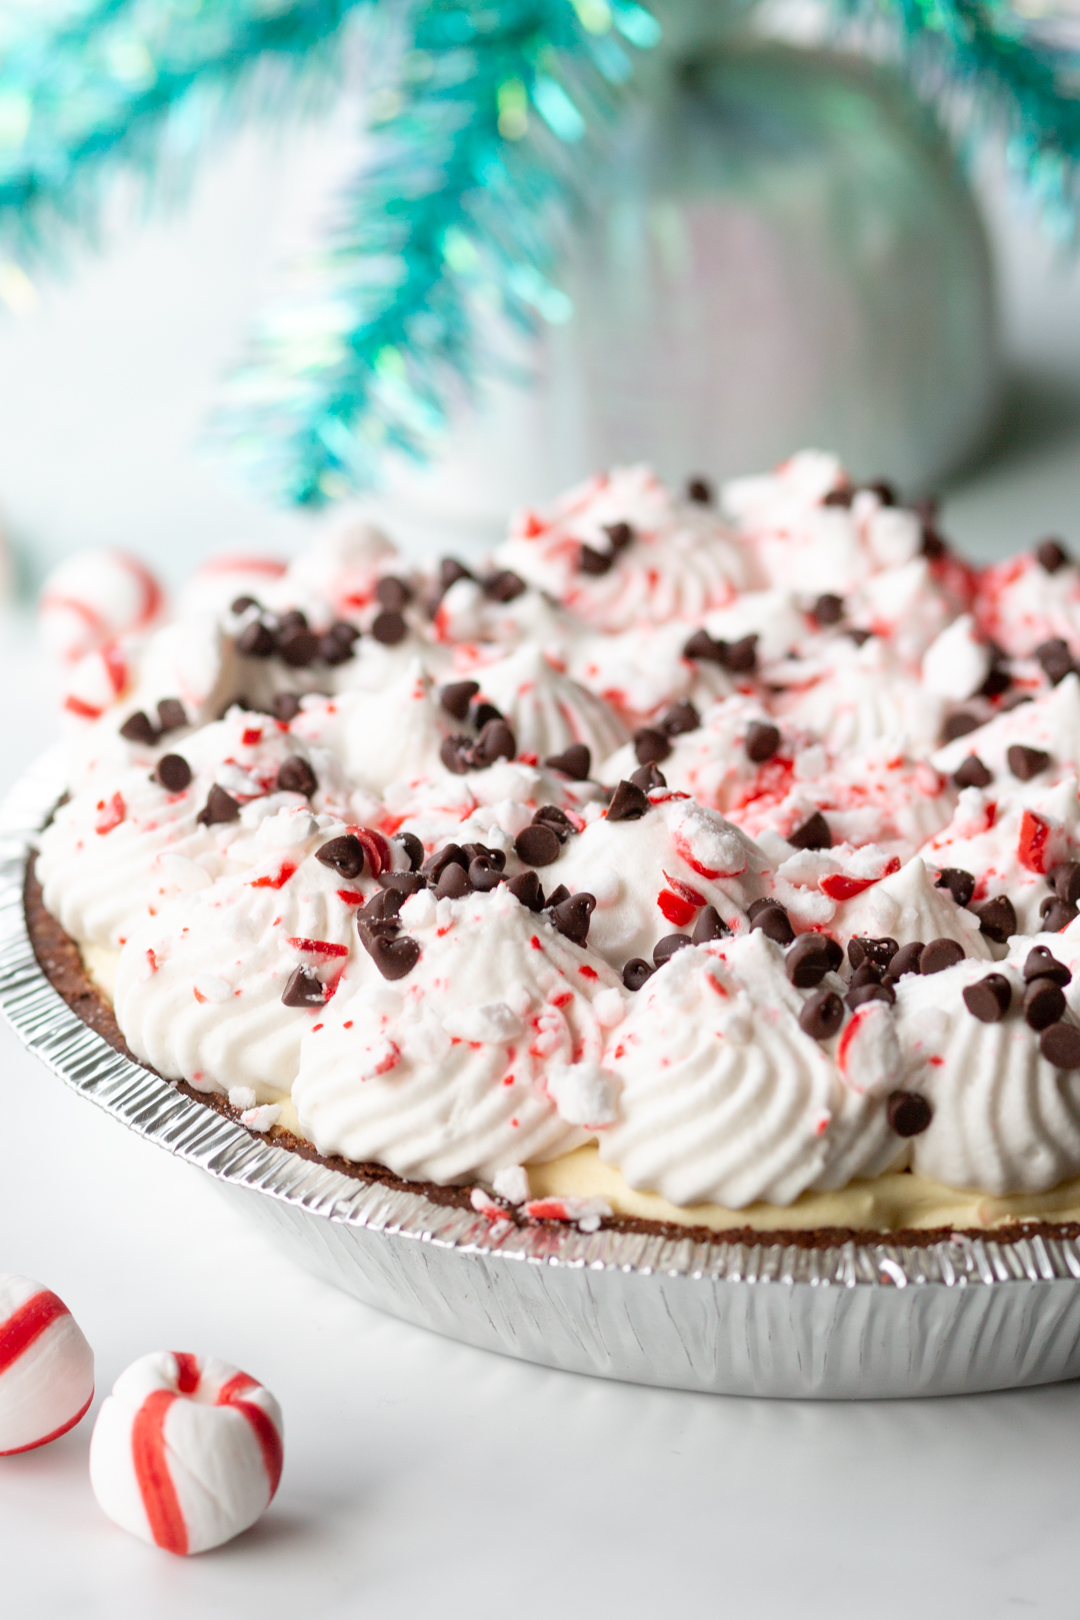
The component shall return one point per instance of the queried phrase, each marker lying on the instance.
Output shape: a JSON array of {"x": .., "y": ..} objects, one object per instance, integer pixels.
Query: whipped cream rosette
[
  {"x": 640, "y": 672},
  {"x": 488, "y": 1055},
  {"x": 547, "y": 710},
  {"x": 725, "y": 1098},
  {"x": 619, "y": 549}
]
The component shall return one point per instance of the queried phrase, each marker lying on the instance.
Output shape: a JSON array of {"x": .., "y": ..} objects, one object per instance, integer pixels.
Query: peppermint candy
[
  {"x": 186, "y": 1451},
  {"x": 46, "y": 1366}
]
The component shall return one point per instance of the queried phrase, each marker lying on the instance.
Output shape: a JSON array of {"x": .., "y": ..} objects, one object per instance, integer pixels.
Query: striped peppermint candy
[
  {"x": 46, "y": 1366},
  {"x": 186, "y": 1451}
]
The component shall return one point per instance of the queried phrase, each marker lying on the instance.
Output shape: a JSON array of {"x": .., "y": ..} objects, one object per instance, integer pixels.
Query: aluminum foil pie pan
[{"x": 851, "y": 1320}]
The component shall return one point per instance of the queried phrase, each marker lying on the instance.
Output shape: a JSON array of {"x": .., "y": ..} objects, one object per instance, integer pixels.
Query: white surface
[{"x": 422, "y": 1477}]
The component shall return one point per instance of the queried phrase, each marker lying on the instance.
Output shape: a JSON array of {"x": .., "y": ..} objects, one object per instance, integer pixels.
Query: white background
[{"x": 422, "y": 1477}]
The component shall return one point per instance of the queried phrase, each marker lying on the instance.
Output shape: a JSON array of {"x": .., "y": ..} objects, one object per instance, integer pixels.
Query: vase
[{"x": 779, "y": 250}]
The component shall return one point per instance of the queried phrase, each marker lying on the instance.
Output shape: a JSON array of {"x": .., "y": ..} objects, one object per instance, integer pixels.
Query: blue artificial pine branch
[
  {"x": 1018, "y": 72},
  {"x": 457, "y": 207},
  {"x": 113, "y": 85}
]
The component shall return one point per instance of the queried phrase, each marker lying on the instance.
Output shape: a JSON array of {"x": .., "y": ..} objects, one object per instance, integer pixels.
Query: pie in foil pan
[{"x": 845, "y": 1319}]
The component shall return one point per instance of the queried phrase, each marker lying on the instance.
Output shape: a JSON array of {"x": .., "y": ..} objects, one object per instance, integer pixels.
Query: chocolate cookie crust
[{"x": 59, "y": 959}]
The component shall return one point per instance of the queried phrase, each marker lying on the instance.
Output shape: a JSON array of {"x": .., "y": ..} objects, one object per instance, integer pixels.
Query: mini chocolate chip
[
  {"x": 997, "y": 681},
  {"x": 171, "y": 716},
  {"x": 1024, "y": 763},
  {"x": 412, "y": 846},
  {"x": 1055, "y": 658},
  {"x": 988, "y": 999},
  {"x": 973, "y": 773},
  {"x": 450, "y": 571},
  {"x": 759, "y": 905},
  {"x": 700, "y": 491},
  {"x": 557, "y": 896},
  {"x": 304, "y": 989},
  {"x": 775, "y": 924},
  {"x": 908, "y": 1112},
  {"x": 496, "y": 741},
  {"x": 884, "y": 491},
  {"x": 537, "y": 845},
  {"x": 621, "y": 535},
  {"x": 1057, "y": 916},
  {"x": 833, "y": 952},
  {"x": 402, "y": 882},
  {"x": 219, "y": 807},
  {"x": 526, "y": 889},
  {"x": 679, "y": 718},
  {"x": 394, "y": 955},
  {"x": 481, "y": 852},
  {"x": 1064, "y": 879},
  {"x": 1051, "y": 555},
  {"x": 859, "y": 635},
  {"x": 906, "y": 959},
  {"x": 382, "y": 908},
  {"x": 1060, "y": 1045},
  {"x": 297, "y": 776},
  {"x": 813, "y": 834},
  {"x": 456, "y": 754},
  {"x": 450, "y": 855},
  {"x": 665, "y": 948},
  {"x": 298, "y": 648},
  {"x": 240, "y": 604},
  {"x": 483, "y": 875},
  {"x": 960, "y": 884},
  {"x": 870, "y": 992},
  {"x": 1044, "y": 1003},
  {"x": 291, "y": 621},
  {"x": 710, "y": 925},
  {"x": 839, "y": 497},
  {"x": 393, "y": 593},
  {"x": 828, "y": 609},
  {"x": 344, "y": 855},
  {"x": 1042, "y": 964},
  {"x": 453, "y": 883},
  {"x": 940, "y": 954},
  {"x": 591, "y": 561},
  {"x": 761, "y": 741},
  {"x": 959, "y": 723},
  {"x": 822, "y": 1015},
  {"x": 571, "y": 916},
  {"x": 933, "y": 546},
  {"x": 647, "y": 777},
  {"x": 867, "y": 972},
  {"x": 389, "y": 628},
  {"x": 257, "y": 640},
  {"x": 456, "y": 697},
  {"x": 173, "y": 772},
  {"x": 285, "y": 706},
  {"x": 139, "y": 728},
  {"x": 997, "y": 918},
  {"x": 807, "y": 962},
  {"x": 336, "y": 644},
  {"x": 628, "y": 803},
  {"x": 549, "y": 815},
  {"x": 636, "y": 972},
  {"x": 504, "y": 586},
  {"x": 575, "y": 762},
  {"x": 650, "y": 746},
  {"x": 741, "y": 656},
  {"x": 701, "y": 646}
]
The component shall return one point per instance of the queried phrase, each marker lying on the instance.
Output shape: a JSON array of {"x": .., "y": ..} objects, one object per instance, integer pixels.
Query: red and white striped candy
[
  {"x": 46, "y": 1366},
  {"x": 186, "y": 1451},
  {"x": 94, "y": 597}
]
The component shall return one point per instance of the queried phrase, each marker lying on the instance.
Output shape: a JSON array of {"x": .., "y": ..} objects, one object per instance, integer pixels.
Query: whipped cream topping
[{"x": 680, "y": 833}]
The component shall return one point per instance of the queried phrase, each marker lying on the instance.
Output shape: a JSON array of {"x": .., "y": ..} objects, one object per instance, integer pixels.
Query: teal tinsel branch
[
  {"x": 1029, "y": 82},
  {"x": 475, "y": 160},
  {"x": 109, "y": 85}
]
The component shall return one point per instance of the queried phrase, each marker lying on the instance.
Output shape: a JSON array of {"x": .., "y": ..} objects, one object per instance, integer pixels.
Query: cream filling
[{"x": 888, "y": 1203}]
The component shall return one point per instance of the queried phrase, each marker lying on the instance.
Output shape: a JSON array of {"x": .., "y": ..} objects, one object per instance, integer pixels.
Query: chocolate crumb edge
[{"x": 58, "y": 957}]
